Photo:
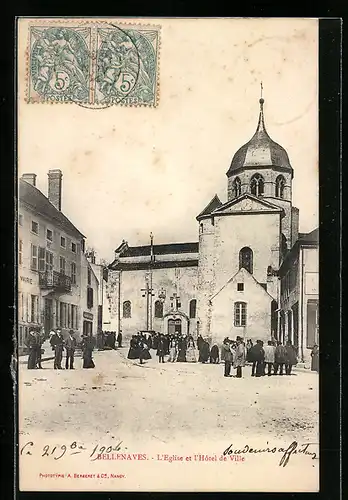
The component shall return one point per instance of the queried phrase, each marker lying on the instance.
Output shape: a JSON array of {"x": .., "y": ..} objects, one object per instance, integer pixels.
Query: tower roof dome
[{"x": 261, "y": 151}]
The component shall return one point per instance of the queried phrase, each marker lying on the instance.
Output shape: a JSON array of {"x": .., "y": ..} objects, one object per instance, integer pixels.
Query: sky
[{"x": 131, "y": 171}]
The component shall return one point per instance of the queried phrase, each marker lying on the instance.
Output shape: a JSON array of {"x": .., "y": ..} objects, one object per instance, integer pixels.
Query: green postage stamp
[{"x": 93, "y": 64}]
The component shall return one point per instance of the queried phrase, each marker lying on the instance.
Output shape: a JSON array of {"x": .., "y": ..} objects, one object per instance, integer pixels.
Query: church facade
[{"x": 227, "y": 283}]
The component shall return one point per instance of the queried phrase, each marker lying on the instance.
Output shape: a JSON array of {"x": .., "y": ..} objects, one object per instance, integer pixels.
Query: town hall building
[{"x": 227, "y": 283}]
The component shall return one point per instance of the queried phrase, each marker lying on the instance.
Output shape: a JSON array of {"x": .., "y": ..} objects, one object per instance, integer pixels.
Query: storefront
[{"x": 29, "y": 307}]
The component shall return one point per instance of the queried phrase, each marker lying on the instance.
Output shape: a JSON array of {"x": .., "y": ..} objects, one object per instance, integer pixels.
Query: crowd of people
[
  {"x": 34, "y": 343},
  {"x": 272, "y": 358},
  {"x": 176, "y": 347},
  {"x": 59, "y": 344},
  {"x": 108, "y": 339}
]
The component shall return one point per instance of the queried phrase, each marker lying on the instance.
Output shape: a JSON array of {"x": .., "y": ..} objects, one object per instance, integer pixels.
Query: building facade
[
  {"x": 232, "y": 274},
  {"x": 101, "y": 273},
  {"x": 52, "y": 268},
  {"x": 299, "y": 294},
  {"x": 154, "y": 287}
]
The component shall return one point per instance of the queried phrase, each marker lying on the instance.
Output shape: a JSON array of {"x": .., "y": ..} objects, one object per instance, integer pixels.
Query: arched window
[
  {"x": 127, "y": 309},
  {"x": 193, "y": 306},
  {"x": 240, "y": 314},
  {"x": 279, "y": 186},
  {"x": 158, "y": 309},
  {"x": 246, "y": 259},
  {"x": 237, "y": 187},
  {"x": 257, "y": 185}
]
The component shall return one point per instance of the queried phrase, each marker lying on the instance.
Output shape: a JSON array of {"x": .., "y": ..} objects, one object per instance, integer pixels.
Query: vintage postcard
[{"x": 168, "y": 332}]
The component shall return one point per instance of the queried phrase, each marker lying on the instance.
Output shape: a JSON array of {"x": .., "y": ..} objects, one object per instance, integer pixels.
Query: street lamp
[{"x": 148, "y": 293}]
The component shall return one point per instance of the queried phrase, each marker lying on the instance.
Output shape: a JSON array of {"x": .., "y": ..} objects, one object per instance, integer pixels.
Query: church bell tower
[{"x": 262, "y": 167}]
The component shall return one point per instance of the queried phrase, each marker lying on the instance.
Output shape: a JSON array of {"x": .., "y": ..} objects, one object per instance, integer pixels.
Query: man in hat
[
  {"x": 226, "y": 355},
  {"x": 279, "y": 358},
  {"x": 31, "y": 343},
  {"x": 257, "y": 357},
  {"x": 70, "y": 346},
  {"x": 57, "y": 343},
  {"x": 239, "y": 357},
  {"x": 119, "y": 338},
  {"x": 40, "y": 338}
]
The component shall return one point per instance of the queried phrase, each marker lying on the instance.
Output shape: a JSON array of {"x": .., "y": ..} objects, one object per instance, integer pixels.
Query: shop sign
[{"x": 27, "y": 280}]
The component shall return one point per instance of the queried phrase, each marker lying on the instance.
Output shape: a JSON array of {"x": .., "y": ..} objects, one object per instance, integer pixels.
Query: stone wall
[
  {"x": 258, "y": 308},
  {"x": 269, "y": 175},
  {"x": 295, "y": 222},
  {"x": 182, "y": 281},
  {"x": 219, "y": 257}
]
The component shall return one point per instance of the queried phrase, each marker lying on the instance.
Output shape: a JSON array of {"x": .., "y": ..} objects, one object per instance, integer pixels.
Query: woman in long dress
[
  {"x": 155, "y": 341},
  {"x": 191, "y": 351},
  {"x": 182, "y": 350},
  {"x": 204, "y": 352},
  {"x": 315, "y": 359},
  {"x": 31, "y": 343},
  {"x": 173, "y": 351},
  {"x": 133, "y": 352},
  {"x": 144, "y": 349},
  {"x": 88, "y": 344},
  {"x": 214, "y": 354}
]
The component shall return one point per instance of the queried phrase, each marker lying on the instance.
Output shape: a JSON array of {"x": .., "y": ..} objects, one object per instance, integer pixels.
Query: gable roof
[
  {"x": 39, "y": 203},
  {"x": 139, "y": 257},
  {"x": 222, "y": 207},
  {"x": 309, "y": 238},
  {"x": 250, "y": 196},
  {"x": 242, "y": 270},
  {"x": 212, "y": 205},
  {"x": 164, "y": 249}
]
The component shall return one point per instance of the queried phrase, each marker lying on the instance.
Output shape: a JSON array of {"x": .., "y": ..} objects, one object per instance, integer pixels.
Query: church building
[{"x": 227, "y": 283}]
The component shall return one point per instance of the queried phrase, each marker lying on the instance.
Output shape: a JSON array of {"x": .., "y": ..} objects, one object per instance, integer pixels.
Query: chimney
[
  {"x": 55, "y": 188},
  {"x": 295, "y": 218},
  {"x": 30, "y": 178}
]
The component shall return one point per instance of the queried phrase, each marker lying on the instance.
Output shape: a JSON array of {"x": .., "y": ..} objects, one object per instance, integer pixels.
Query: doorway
[
  {"x": 48, "y": 323},
  {"x": 274, "y": 319},
  {"x": 312, "y": 323},
  {"x": 87, "y": 328},
  {"x": 295, "y": 324},
  {"x": 174, "y": 326}
]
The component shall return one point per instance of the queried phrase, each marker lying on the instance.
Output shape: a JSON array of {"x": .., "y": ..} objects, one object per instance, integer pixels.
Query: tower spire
[{"x": 261, "y": 124}]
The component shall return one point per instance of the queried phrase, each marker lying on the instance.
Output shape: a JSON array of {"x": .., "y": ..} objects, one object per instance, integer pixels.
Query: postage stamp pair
[{"x": 93, "y": 64}]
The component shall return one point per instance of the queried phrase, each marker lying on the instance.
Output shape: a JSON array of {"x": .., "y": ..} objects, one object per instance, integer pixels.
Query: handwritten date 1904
[{"x": 59, "y": 451}]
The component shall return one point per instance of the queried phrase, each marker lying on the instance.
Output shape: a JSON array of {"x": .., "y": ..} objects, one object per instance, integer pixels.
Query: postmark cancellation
[{"x": 93, "y": 64}]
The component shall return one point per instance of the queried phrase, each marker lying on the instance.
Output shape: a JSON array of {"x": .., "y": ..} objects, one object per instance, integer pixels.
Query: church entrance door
[{"x": 174, "y": 326}]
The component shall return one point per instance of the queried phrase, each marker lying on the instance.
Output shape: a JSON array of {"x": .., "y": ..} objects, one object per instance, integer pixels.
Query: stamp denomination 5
[{"x": 93, "y": 65}]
